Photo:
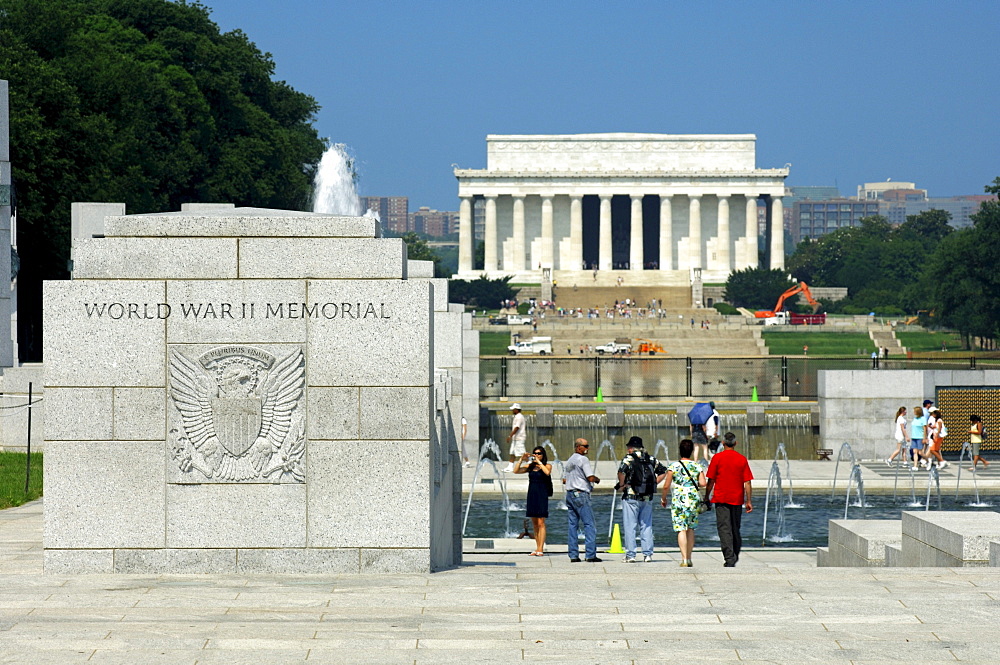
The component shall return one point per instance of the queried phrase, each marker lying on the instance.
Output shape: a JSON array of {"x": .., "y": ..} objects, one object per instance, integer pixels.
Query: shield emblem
[{"x": 237, "y": 422}]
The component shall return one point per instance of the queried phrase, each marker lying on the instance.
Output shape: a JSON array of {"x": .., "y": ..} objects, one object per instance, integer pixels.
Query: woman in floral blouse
[{"x": 684, "y": 477}]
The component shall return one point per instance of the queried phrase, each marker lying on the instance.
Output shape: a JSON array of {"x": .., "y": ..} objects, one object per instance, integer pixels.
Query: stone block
[
  {"x": 949, "y": 538},
  {"x": 78, "y": 562},
  {"x": 237, "y": 311},
  {"x": 340, "y": 512},
  {"x": 447, "y": 339},
  {"x": 994, "y": 553},
  {"x": 288, "y": 561},
  {"x": 91, "y": 485},
  {"x": 393, "y": 331},
  {"x": 394, "y": 413},
  {"x": 205, "y": 207},
  {"x": 333, "y": 413},
  {"x": 322, "y": 258},
  {"x": 80, "y": 414},
  {"x": 87, "y": 220},
  {"x": 394, "y": 561},
  {"x": 175, "y": 562},
  {"x": 236, "y": 516},
  {"x": 155, "y": 258},
  {"x": 91, "y": 339},
  {"x": 139, "y": 414},
  {"x": 243, "y": 222},
  {"x": 898, "y": 384},
  {"x": 420, "y": 269},
  {"x": 894, "y": 555},
  {"x": 822, "y": 557},
  {"x": 615, "y": 415},
  {"x": 862, "y": 542}
]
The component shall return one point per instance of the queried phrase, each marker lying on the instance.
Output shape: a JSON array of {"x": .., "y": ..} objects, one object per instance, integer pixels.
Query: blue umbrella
[{"x": 700, "y": 413}]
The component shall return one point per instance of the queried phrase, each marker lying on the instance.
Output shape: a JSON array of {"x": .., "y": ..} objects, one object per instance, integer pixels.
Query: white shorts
[{"x": 517, "y": 447}]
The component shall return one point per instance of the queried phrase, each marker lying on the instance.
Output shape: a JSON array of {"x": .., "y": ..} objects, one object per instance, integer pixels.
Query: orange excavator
[{"x": 802, "y": 288}]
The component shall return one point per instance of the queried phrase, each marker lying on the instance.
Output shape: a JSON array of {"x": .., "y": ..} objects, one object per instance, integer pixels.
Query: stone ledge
[
  {"x": 949, "y": 538},
  {"x": 242, "y": 222}
]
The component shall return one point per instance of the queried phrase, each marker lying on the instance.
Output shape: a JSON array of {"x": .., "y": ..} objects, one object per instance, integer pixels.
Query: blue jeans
[
  {"x": 641, "y": 513},
  {"x": 578, "y": 504}
]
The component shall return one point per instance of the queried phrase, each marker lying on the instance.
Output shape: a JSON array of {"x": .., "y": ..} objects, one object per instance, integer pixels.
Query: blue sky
[{"x": 847, "y": 92}]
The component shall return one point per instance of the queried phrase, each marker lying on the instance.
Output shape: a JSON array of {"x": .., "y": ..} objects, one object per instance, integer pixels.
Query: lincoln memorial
[{"x": 655, "y": 205}]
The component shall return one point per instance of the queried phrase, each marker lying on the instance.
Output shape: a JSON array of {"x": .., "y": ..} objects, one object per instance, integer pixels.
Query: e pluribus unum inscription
[
  {"x": 117, "y": 311},
  {"x": 240, "y": 416}
]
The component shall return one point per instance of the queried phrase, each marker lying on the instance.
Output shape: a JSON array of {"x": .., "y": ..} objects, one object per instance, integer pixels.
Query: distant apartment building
[
  {"x": 392, "y": 210},
  {"x": 434, "y": 222},
  {"x": 961, "y": 208},
  {"x": 814, "y": 219},
  {"x": 875, "y": 191}
]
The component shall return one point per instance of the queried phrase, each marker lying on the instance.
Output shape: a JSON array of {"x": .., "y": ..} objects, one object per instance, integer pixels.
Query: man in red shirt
[{"x": 729, "y": 477}]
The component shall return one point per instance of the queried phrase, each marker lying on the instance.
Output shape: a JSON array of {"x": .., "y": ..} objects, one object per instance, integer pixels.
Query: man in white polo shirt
[{"x": 518, "y": 435}]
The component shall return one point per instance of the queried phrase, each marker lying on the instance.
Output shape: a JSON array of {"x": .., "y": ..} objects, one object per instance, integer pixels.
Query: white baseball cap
[{"x": 515, "y": 406}]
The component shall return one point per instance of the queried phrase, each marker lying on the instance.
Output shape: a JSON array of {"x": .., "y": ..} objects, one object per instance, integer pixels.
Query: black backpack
[{"x": 642, "y": 475}]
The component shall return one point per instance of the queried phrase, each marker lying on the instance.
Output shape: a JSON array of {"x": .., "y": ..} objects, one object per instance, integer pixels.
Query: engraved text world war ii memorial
[{"x": 247, "y": 390}]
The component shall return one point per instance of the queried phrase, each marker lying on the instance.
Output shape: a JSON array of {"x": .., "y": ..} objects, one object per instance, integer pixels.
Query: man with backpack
[{"x": 638, "y": 475}]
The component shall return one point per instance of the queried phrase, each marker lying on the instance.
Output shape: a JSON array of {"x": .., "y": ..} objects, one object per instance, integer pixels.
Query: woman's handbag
[{"x": 703, "y": 504}]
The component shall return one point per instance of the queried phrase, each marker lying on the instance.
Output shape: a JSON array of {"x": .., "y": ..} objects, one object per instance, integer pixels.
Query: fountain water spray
[
  {"x": 607, "y": 445},
  {"x": 489, "y": 446},
  {"x": 933, "y": 480},
  {"x": 854, "y": 480},
  {"x": 557, "y": 463},
  {"x": 967, "y": 453},
  {"x": 335, "y": 191},
  {"x": 774, "y": 485},
  {"x": 660, "y": 443},
  {"x": 780, "y": 451}
]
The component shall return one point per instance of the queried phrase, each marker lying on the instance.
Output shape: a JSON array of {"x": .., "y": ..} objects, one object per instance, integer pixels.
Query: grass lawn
[
  {"x": 929, "y": 341},
  {"x": 782, "y": 343},
  {"x": 12, "y": 478},
  {"x": 493, "y": 343}
]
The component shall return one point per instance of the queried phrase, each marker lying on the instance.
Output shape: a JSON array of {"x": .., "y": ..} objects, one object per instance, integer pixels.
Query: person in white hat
[{"x": 518, "y": 435}]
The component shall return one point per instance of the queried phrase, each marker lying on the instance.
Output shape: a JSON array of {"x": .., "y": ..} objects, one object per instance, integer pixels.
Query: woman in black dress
[{"x": 539, "y": 471}]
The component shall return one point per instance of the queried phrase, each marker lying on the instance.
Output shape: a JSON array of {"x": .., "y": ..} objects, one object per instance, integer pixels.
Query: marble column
[
  {"x": 518, "y": 234},
  {"x": 575, "y": 233},
  {"x": 722, "y": 251},
  {"x": 666, "y": 233},
  {"x": 636, "y": 255},
  {"x": 750, "y": 237},
  {"x": 777, "y": 233},
  {"x": 547, "y": 239},
  {"x": 694, "y": 231},
  {"x": 604, "y": 255},
  {"x": 490, "y": 231},
  {"x": 466, "y": 235}
]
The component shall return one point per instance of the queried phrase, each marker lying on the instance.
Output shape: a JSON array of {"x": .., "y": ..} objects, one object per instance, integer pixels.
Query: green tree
[
  {"x": 144, "y": 102},
  {"x": 757, "y": 288},
  {"x": 482, "y": 292},
  {"x": 962, "y": 276},
  {"x": 417, "y": 249}
]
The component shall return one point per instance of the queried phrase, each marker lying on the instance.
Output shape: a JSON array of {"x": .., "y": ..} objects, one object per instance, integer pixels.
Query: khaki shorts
[{"x": 517, "y": 447}]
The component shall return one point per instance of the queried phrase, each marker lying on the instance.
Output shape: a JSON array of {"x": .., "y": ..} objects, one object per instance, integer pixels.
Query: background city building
[
  {"x": 392, "y": 210},
  {"x": 434, "y": 222}
]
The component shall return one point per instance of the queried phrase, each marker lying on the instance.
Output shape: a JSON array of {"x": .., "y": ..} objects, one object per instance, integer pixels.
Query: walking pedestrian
[
  {"x": 731, "y": 492},
  {"x": 638, "y": 475},
  {"x": 518, "y": 435},
  {"x": 539, "y": 471},
  {"x": 684, "y": 477},
  {"x": 936, "y": 432},
  {"x": 899, "y": 434},
  {"x": 580, "y": 481},
  {"x": 976, "y": 435},
  {"x": 917, "y": 435}
]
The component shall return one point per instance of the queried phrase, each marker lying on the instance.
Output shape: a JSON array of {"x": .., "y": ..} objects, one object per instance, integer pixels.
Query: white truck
[
  {"x": 540, "y": 345},
  {"x": 518, "y": 320},
  {"x": 620, "y": 345}
]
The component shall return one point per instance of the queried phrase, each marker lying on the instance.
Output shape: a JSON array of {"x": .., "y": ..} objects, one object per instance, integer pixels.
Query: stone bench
[
  {"x": 859, "y": 543},
  {"x": 949, "y": 538}
]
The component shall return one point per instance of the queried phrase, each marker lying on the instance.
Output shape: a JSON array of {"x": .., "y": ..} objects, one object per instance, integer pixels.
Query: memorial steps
[{"x": 586, "y": 296}]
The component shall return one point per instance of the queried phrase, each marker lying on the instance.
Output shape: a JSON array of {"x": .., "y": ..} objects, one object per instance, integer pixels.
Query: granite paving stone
[{"x": 480, "y": 613}]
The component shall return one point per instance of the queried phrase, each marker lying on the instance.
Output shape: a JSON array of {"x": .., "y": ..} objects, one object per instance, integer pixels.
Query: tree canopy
[
  {"x": 757, "y": 288},
  {"x": 144, "y": 102}
]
